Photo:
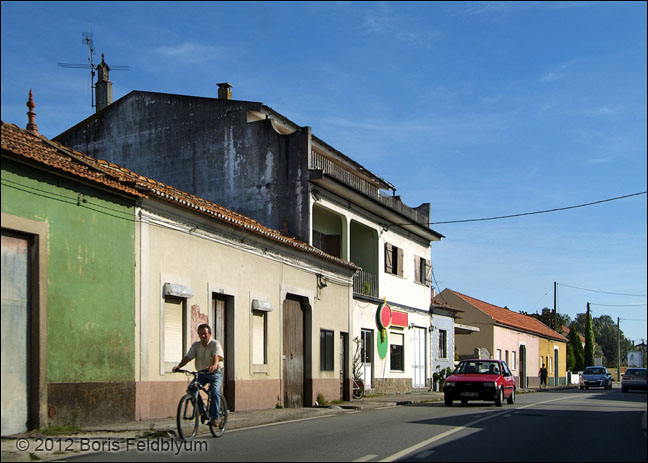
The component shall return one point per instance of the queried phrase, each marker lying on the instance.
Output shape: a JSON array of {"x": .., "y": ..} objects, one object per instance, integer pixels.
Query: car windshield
[
  {"x": 637, "y": 372},
  {"x": 477, "y": 367},
  {"x": 594, "y": 371}
]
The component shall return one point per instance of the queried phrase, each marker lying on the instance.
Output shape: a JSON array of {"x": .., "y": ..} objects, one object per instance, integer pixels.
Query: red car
[{"x": 480, "y": 379}]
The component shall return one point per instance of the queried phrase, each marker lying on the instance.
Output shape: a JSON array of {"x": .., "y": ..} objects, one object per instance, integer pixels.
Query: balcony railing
[
  {"x": 328, "y": 167},
  {"x": 365, "y": 284}
]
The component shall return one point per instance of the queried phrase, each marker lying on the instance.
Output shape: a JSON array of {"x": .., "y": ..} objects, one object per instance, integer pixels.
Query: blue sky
[{"x": 481, "y": 109}]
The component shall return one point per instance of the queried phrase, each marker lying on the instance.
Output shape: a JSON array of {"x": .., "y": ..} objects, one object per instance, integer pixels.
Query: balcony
[
  {"x": 347, "y": 177},
  {"x": 365, "y": 284}
]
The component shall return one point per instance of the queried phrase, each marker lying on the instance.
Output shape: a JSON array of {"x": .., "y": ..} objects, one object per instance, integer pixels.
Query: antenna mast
[{"x": 87, "y": 39}]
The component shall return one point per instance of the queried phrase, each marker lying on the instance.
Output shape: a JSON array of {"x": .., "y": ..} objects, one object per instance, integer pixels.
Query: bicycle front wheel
[
  {"x": 358, "y": 389},
  {"x": 219, "y": 428},
  {"x": 187, "y": 417}
]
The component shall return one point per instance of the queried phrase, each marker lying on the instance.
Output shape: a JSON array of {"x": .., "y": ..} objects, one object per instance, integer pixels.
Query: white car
[{"x": 595, "y": 377}]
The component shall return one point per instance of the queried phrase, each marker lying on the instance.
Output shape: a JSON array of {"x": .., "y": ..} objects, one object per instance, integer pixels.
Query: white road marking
[
  {"x": 366, "y": 458},
  {"x": 452, "y": 431},
  {"x": 280, "y": 422}
]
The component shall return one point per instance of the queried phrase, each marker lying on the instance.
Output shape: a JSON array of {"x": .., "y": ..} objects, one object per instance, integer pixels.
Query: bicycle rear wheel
[
  {"x": 221, "y": 425},
  {"x": 358, "y": 389},
  {"x": 187, "y": 417}
]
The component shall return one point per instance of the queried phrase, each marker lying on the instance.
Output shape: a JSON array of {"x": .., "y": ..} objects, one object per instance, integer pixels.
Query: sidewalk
[{"x": 90, "y": 439}]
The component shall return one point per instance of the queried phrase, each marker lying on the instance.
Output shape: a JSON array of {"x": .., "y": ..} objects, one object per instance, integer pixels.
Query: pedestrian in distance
[
  {"x": 543, "y": 376},
  {"x": 209, "y": 355}
]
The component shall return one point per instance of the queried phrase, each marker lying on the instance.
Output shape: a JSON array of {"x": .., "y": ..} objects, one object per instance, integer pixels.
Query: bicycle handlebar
[{"x": 187, "y": 372}]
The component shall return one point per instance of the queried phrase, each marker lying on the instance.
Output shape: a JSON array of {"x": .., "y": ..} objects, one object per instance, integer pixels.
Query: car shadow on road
[{"x": 543, "y": 433}]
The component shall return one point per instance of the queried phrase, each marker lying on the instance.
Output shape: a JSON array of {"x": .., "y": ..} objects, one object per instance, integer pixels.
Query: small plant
[
  {"x": 60, "y": 430},
  {"x": 278, "y": 405},
  {"x": 441, "y": 375},
  {"x": 321, "y": 400},
  {"x": 366, "y": 289}
]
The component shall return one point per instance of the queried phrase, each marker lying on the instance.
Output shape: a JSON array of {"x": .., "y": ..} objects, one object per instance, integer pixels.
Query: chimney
[
  {"x": 103, "y": 88},
  {"x": 224, "y": 91},
  {"x": 31, "y": 125}
]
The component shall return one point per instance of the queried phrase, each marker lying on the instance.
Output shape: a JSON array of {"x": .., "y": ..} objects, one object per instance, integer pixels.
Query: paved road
[{"x": 568, "y": 425}]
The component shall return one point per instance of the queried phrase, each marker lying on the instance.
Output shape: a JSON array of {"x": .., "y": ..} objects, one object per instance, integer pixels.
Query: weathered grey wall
[{"x": 206, "y": 147}]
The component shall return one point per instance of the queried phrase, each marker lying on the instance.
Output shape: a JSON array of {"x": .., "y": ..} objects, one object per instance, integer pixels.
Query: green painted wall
[{"x": 90, "y": 305}]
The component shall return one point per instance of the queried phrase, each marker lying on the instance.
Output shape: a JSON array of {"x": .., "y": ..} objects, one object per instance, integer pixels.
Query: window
[
  {"x": 330, "y": 244},
  {"x": 396, "y": 352},
  {"x": 499, "y": 354},
  {"x": 393, "y": 260},
  {"x": 175, "y": 330},
  {"x": 366, "y": 346},
  {"x": 506, "y": 356},
  {"x": 259, "y": 337},
  {"x": 326, "y": 350},
  {"x": 513, "y": 360},
  {"x": 549, "y": 364},
  {"x": 443, "y": 344},
  {"x": 422, "y": 271}
]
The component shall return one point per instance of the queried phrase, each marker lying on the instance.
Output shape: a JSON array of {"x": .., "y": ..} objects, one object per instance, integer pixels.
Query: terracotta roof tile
[
  {"x": 39, "y": 149},
  {"x": 511, "y": 318}
]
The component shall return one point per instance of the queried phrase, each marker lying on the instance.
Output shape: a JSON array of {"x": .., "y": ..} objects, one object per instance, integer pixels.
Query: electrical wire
[
  {"x": 603, "y": 292},
  {"x": 639, "y": 304},
  {"x": 524, "y": 213}
]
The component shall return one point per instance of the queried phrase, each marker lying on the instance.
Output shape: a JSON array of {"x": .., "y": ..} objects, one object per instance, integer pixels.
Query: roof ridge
[
  {"x": 501, "y": 317},
  {"x": 125, "y": 180}
]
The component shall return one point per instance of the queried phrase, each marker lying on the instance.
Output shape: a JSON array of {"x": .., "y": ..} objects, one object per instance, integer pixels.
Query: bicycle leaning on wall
[
  {"x": 358, "y": 383},
  {"x": 193, "y": 409}
]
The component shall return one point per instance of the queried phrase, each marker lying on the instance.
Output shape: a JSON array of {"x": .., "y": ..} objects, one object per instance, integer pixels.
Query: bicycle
[
  {"x": 192, "y": 407},
  {"x": 358, "y": 388}
]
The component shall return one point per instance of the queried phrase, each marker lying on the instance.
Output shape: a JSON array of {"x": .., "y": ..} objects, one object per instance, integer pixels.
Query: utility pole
[
  {"x": 555, "y": 315},
  {"x": 618, "y": 349}
]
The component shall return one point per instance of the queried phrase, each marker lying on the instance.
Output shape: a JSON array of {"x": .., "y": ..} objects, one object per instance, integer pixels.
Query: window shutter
[
  {"x": 388, "y": 258},
  {"x": 417, "y": 268},
  {"x": 399, "y": 268},
  {"x": 428, "y": 272},
  {"x": 173, "y": 348}
]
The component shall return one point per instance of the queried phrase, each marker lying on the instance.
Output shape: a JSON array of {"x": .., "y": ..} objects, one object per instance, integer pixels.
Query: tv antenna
[{"x": 87, "y": 39}]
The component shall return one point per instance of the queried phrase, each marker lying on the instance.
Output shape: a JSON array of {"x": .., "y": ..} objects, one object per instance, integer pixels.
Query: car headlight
[
  {"x": 450, "y": 383},
  {"x": 490, "y": 384}
]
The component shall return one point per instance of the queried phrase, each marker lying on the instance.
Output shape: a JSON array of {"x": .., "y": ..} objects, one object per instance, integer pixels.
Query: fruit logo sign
[{"x": 384, "y": 320}]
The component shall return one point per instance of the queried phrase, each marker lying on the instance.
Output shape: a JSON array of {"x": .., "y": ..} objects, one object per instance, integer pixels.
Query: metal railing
[
  {"x": 328, "y": 167},
  {"x": 365, "y": 284}
]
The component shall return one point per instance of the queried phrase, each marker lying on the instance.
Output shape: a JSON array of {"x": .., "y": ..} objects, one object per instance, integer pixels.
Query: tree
[
  {"x": 589, "y": 339},
  {"x": 575, "y": 352},
  {"x": 547, "y": 317},
  {"x": 606, "y": 336}
]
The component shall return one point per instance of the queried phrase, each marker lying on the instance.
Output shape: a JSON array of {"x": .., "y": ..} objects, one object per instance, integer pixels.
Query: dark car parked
[
  {"x": 634, "y": 378},
  {"x": 480, "y": 379}
]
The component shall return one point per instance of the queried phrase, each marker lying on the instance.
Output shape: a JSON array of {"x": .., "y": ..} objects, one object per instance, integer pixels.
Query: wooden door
[
  {"x": 219, "y": 333},
  {"x": 15, "y": 334},
  {"x": 523, "y": 372},
  {"x": 344, "y": 370},
  {"x": 293, "y": 352}
]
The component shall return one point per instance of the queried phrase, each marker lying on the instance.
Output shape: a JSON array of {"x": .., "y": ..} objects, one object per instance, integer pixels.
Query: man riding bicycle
[{"x": 208, "y": 354}]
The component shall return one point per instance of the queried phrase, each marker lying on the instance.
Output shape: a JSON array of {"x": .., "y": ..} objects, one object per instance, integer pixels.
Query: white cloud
[
  {"x": 193, "y": 52},
  {"x": 558, "y": 73},
  {"x": 384, "y": 21}
]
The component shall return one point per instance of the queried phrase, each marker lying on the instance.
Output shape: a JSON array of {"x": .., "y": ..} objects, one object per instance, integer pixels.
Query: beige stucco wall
[
  {"x": 511, "y": 340},
  {"x": 547, "y": 348},
  {"x": 219, "y": 262}
]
